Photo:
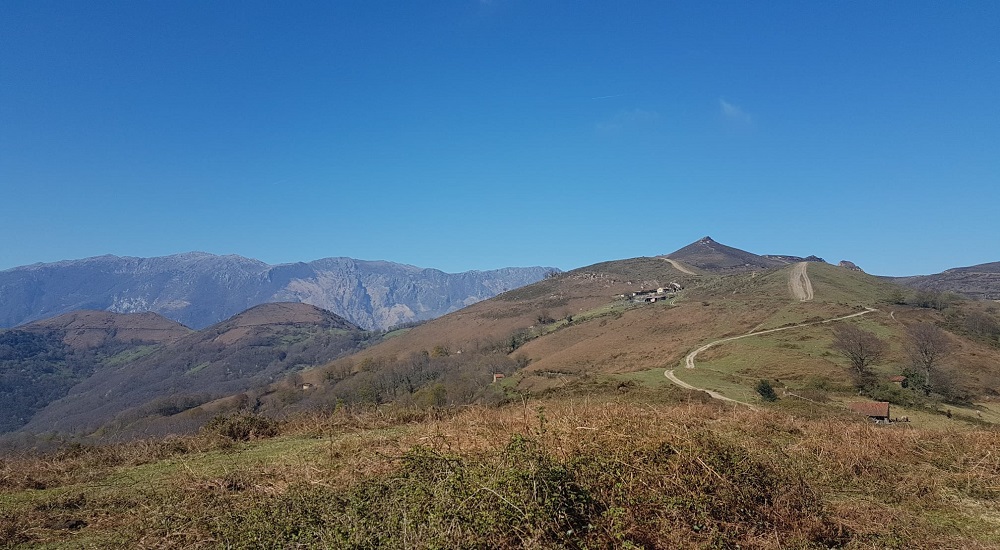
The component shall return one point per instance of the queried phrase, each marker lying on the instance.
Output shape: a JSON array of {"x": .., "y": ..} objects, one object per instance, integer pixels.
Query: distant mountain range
[
  {"x": 978, "y": 281},
  {"x": 199, "y": 289}
]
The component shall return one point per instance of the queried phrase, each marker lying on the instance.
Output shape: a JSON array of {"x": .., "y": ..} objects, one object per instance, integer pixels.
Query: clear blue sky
[{"x": 474, "y": 134}]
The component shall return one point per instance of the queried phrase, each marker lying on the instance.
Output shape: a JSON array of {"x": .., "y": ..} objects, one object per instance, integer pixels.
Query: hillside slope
[
  {"x": 247, "y": 351},
  {"x": 90, "y": 329},
  {"x": 582, "y": 325},
  {"x": 542, "y": 306},
  {"x": 41, "y": 361}
]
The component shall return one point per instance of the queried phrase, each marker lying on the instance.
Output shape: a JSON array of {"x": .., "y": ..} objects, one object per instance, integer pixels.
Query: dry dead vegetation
[{"x": 635, "y": 470}]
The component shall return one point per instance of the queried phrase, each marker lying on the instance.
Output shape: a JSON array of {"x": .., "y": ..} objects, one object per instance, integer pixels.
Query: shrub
[
  {"x": 243, "y": 427},
  {"x": 765, "y": 391}
]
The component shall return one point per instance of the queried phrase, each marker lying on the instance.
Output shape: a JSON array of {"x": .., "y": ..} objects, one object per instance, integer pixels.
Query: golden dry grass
[{"x": 632, "y": 469}]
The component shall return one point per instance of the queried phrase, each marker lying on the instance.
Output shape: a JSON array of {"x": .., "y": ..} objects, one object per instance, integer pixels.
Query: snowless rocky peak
[{"x": 850, "y": 265}]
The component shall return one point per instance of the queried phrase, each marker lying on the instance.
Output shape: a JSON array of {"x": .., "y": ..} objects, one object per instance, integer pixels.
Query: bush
[
  {"x": 544, "y": 318},
  {"x": 522, "y": 498},
  {"x": 765, "y": 391},
  {"x": 705, "y": 490},
  {"x": 243, "y": 427}
]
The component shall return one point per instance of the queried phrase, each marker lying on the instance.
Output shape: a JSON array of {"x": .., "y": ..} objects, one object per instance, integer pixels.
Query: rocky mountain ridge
[
  {"x": 978, "y": 281},
  {"x": 198, "y": 289}
]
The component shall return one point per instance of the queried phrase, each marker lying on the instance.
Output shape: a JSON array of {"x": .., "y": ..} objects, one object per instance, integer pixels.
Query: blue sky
[{"x": 474, "y": 134}]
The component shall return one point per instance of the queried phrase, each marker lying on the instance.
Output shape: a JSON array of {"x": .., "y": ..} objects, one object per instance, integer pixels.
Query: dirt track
[
  {"x": 689, "y": 360},
  {"x": 799, "y": 283},
  {"x": 715, "y": 395},
  {"x": 679, "y": 266}
]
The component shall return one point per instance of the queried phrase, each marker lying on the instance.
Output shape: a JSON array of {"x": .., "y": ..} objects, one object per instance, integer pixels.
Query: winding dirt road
[
  {"x": 715, "y": 395},
  {"x": 689, "y": 359},
  {"x": 679, "y": 266},
  {"x": 799, "y": 283}
]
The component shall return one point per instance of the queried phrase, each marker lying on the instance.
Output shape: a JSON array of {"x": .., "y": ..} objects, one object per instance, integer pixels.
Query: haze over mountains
[{"x": 198, "y": 289}]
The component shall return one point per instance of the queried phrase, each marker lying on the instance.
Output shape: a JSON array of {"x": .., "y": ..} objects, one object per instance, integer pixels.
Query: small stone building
[{"x": 876, "y": 410}]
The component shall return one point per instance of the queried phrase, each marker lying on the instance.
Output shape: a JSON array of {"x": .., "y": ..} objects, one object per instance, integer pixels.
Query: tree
[
  {"x": 982, "y": 325},
  {"x": 935, "y": 300},
  {"x": 544, "y": 318},
  {"x": 766, "y": 391},
  {"x": 897, "y": 297},
  {"x": 927, "y": 346},
  {"x": 861, "y": 347}
]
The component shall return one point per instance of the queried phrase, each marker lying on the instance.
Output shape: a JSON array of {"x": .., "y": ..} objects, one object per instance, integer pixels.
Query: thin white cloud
[
  {"x": 628, "y": 119},
  {"x": 734, "y": 111},
  {"x": 609, "y": 96}
]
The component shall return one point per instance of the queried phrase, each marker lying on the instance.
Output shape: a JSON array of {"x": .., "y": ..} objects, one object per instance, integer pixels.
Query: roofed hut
[{"x": 876, "y": 410}]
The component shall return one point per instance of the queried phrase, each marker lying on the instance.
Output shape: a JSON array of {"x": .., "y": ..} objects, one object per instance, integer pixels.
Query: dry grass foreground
[{"x": 621, "y": 471}]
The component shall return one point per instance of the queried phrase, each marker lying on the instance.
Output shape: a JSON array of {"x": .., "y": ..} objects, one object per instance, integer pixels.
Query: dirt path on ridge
[
  {"x": 679, "y": 266},
  {"x": 689, "y": 359},
  {"x": 799, "y": 283}
]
